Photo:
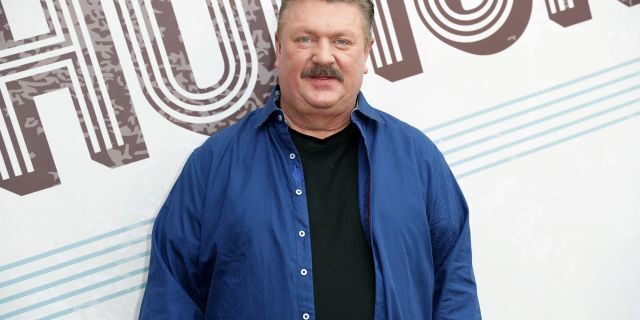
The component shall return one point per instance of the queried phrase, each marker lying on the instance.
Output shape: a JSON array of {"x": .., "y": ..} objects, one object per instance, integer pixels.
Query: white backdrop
[{"x": 543, "y": 135}]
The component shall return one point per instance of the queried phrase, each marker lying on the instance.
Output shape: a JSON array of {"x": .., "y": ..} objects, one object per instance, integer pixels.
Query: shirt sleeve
[
  {"x": 173, "y": 290},
  {"x": 455, "y": 295}
]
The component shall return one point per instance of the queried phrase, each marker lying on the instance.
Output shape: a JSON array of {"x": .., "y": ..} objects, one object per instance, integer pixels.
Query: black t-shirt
[{"x": 343, "y": 276}]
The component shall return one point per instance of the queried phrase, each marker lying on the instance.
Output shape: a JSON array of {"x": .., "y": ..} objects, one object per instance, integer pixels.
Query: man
[{"x": 316, "y": 206}]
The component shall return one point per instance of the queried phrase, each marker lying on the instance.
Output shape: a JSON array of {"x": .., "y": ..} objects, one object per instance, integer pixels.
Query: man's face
[{"x": 321, "y": 52}]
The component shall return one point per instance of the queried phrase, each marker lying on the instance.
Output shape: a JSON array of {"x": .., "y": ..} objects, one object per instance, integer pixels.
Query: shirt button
[
  {"x": 305, "y": 316},
  {"x": 301, "y": 233},
  {"x": 303, "y": 272},
  {"x": 292, "y": 156},
  {"x": 298, "y": 192},
  {"x": 279, "y": 117}
]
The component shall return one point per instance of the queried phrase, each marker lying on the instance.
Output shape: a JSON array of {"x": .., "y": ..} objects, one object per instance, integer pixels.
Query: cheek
[
  {"x": 294, "y": 64},
  {"x": 354, "y": 68},
  {"x": 289, "y": 74}
]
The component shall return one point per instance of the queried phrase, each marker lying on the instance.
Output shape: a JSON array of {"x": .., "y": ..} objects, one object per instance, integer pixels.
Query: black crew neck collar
[{"x": 340, "y": 135}]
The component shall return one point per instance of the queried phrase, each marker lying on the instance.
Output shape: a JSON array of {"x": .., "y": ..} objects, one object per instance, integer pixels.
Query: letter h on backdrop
[{"x": 48, "y": 45}]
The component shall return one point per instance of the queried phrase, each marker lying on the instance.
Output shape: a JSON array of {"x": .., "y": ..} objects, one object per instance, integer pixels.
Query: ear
[
  {"x": 367, "y": 51},
  {"x": 277, "y": 49}
]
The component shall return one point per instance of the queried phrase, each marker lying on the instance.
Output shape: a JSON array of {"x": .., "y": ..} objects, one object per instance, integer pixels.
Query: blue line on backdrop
[
  {"x": 542, "y": 133},
  {"x": 76, "y": 244},
  {"x": 74, "y": 277},
  {"x": 548, "y": 145},
  {"x": 74, "y": 261},
  {"x": 73, "y": 293},
  {"x": 540, "y": 106},
  {"x": 94, "y": 302},
  {"x": 531, "y": 95},
  {"x": 537, "y": 121}
]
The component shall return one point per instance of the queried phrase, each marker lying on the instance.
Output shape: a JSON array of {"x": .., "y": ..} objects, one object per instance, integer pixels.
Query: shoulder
[
  {"x": 241, "y": 130},
  {"x": 409, "y": 146},
  {"x": 241, "y": 134},
  {"x": 415, "y": 150},
  {"x": 406, "y": 135}
]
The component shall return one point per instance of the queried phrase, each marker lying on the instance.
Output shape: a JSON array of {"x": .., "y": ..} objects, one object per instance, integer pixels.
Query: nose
[{"x": 323, "y": 53}]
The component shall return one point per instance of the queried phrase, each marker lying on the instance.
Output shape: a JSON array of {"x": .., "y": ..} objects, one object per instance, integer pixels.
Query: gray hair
[{"x": 366, "y": 7}]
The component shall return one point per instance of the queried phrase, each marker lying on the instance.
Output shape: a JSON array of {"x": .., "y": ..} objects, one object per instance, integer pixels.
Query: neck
[{"x": 319, "y": 124}]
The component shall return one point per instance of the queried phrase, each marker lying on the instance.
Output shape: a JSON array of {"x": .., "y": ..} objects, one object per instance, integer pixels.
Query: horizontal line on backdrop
[
  {"x": 531, "y": 95},
  {"x": 76, "y": 244},
  {"x": 74, "y": 261},
  {"x": 94, "y": 302},
  {"x": 550, "y": 144},
  {"x": 538, "y": 121},
  {"x": 73, "y": 293},
  {"x": 545, "y": 132},
  {"x": 540, "y": 106},
  {"x": 74, "y": 277}
]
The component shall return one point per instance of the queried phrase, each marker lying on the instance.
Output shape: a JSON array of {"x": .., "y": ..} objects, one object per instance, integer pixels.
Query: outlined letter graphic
[
  {"x": 480, "y": 27},
  {"x": 166, "y": 40},
  {"x": 568, "y": 12},
  {"x": 70, "y": 47},
  {"x": 394, "y": 54}
]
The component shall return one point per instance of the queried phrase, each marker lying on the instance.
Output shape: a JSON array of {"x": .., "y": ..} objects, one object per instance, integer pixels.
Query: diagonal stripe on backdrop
[
  {"x": 532, "y": 95},
  {"x": 491, "y": 135},
  {"x": 538, "y": 107},
  {"x": 74, "y": 277},
  {"x": 94, "y": 302},
  {"x": 531, "y": 123},
  {"x": 74, "y": 261},
  {"x": 73, "y": 293},
  {"x": 74, "y": 245},
  {"x": 545, "y": 132},
  {"x": 551, "y": 144}
]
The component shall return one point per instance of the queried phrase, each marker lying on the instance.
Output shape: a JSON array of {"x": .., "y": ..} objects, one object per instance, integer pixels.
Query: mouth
[{"x": 323, "y": 78}]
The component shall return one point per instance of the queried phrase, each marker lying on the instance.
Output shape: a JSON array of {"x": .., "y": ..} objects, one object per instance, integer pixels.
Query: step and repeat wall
[{"x": 535, "y": 104}]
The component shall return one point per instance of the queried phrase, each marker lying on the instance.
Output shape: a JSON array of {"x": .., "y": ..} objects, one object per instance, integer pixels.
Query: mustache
[{"x": 323, "y": 71}]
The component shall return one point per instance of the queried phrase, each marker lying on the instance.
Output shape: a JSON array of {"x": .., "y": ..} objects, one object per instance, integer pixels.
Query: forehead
[{"x": 322, "y": 16}]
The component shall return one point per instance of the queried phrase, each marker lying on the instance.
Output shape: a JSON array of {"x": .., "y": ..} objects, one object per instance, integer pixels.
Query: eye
[
  {"x": 303, "y": 40},
  {"x": 342, "y": 42}
]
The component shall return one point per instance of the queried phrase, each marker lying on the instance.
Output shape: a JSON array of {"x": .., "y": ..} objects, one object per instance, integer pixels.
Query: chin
[
  {"x": 323, "y": 99},
  {"x": 322, "y": 103}
]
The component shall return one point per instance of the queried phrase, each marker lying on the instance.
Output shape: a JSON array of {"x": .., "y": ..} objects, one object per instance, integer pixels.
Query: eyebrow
[{"x": 331, "y": 34}]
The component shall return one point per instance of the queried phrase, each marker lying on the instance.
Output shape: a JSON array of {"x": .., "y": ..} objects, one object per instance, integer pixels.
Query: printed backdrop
[{"x": 535, "y": 104}]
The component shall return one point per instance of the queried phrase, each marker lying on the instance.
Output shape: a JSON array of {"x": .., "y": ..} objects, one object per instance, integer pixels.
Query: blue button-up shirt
[{"x": 232, "y": 240}]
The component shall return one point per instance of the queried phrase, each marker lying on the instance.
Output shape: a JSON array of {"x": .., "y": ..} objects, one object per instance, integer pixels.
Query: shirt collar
[
  {"x": 364, "y": 108},
  {"x": 271, "y": 109}
]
